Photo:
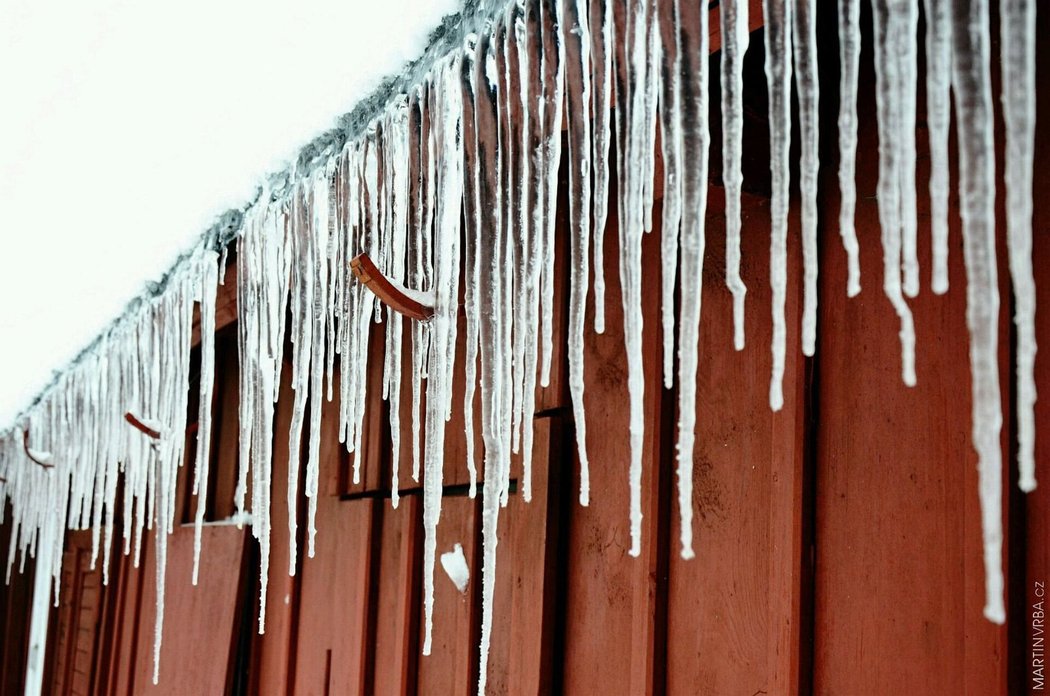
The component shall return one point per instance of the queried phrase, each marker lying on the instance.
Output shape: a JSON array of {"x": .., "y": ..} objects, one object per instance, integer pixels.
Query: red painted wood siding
[{"x": 838, "y": 541}]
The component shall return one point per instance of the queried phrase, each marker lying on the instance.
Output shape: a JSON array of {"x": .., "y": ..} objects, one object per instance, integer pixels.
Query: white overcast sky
[{"x": 125, "y": 127}]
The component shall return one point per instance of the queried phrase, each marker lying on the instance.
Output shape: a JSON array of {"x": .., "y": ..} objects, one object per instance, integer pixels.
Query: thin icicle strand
[
  {"x": 971, "y": 84},
  {"x": 696, "y": 139},
  {"x": 735, "y": 40},
  {"x": 471, "y": 260},
  {"x": 530, "y": 52},
  {"x": 630, "y": 114},
  {"x": 208, "y": 281},
  {"x": 576, "y": 37},
  {"x": 1017, "y": 27},
  {"x": 849, "y": 70},
  {"x": 490, "y": 291},
  {"x": 671, "y": 141},
  {"x": 892, "y": 161},
  {"x": 804, "y": 35},
  {"x": 905, "y": 19},
  {"x": 777, "y": 15},
  {"x": 317, "y": 247},
  {"x": 938, "y": 120},
  {"x": 553, "y": 67},
  {"x": 602, "y": 37}
]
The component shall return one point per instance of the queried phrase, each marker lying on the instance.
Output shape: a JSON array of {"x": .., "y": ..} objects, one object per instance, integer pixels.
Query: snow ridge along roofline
[{"x": 446, "y": 37}]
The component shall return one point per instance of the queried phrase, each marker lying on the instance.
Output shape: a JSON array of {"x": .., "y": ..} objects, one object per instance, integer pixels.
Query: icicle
[
  {"x": 416, "y": 256},
  {"x": 971, "y": 85},
  {"x": 696, "y": 141},
  {"x": 938, "y": 120},
  {"x": 651, "y": 88},
  {"x": 530, "y": 52},
  {"x": 804, "y": 28},
  {"x": 630, "y": 113},
  {"x": 1017, "y": 26},
  {"x": 471, "y": 261},
  {"x": 906, "y": 21},
  {"x": 208, "y": 281},
  {"x": 892, "y": 163},
  {"x": 576, "y": 38},
  {"x": 523, "y": 241},
  {"x": 317, "y": 245},
  {"x": 513, "y": 275},
  {"x": 735, "y": 40},
  {"x": 397, "y": 141},
  {"x": 443, "y": 112},
  {"x": 602, "y": 71},
  {"x": 302, "y": 334},
  {"x": 849, "y": 68},
  {"x": 553, "y": 66},
  {"x": 491, "y": 329},
  {"x": 671, "y": 141},
  {"x": 777, "y": 15}
]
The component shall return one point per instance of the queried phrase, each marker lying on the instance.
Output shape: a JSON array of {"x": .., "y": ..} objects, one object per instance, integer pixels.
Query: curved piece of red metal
[
  {"x": 29, "y": 453},
  {"x": 139, "y": 425},
  {"x": 390, "y": 294}
]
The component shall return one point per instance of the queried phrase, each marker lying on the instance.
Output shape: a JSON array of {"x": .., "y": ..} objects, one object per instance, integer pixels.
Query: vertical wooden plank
[
  {"x": 331, "y": 645},
  {"x": 732, "y": 616},
  {"x": 451, "y": 667},
  {"x": 193, "y": 660},
  {"x": 610, "y": 604},
  {"x": 373, "y": 440},
  {"x": 521, "y": 659},
  {"x": 225, "y": 445},
  {"x": 899, "y": 565},
  {"x": 131, "y": 579},
  {"x": 273, "y": 647},
  {"x": 398, "y": 599}
]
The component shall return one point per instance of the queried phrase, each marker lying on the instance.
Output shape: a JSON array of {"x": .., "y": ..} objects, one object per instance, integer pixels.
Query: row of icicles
[{"x": 456, "y": 182}]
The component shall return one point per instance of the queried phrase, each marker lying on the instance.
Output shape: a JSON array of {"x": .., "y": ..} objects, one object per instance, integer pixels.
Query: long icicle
[
  {"x": 888, "y": 80},
  {"x": 804, "y": 35},
  {"x": 938, "y": 119},
  {"x": 849, "y": 69},
  {"x": 696, "y": 140},
  {"x": 735, "y": 39},
  {"x": 972, "y": 86},
  {"x": 1017, "y": 27},
  {"x": 208, "y": 280},
  {"x": 602, "y": 72},
  {"x": 777, "y": 15},
  {"x": 671, "y": 141},
  {"x": 488, "y": 177},
  {"x": 575, "y": 35}
]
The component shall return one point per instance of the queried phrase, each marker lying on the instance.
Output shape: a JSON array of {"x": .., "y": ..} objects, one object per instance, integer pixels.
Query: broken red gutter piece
[
  {"x": 40, "y": 458},
  {"x": 139, "y": 425},
  {"x": 389, "y": 292}
]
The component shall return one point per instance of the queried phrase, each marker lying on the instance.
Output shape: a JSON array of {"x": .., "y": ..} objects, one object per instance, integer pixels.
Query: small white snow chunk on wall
[
  {"x": 455, "y": 566},
  {"x": 454, "y": 181}
]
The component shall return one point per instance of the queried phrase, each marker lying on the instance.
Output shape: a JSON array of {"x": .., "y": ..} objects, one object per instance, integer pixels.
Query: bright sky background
[{"x": 126, "y": 127}]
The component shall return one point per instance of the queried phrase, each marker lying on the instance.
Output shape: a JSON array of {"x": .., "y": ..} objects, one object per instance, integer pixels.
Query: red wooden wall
[{"x": 838, "y": 541}]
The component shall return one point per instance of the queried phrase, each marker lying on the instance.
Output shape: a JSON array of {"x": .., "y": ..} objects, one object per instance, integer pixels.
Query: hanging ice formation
[{"x": 467, "y": 154}]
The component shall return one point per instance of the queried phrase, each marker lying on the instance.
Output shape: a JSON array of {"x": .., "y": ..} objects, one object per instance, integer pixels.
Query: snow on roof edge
[{"x": 443, "y": 39}]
